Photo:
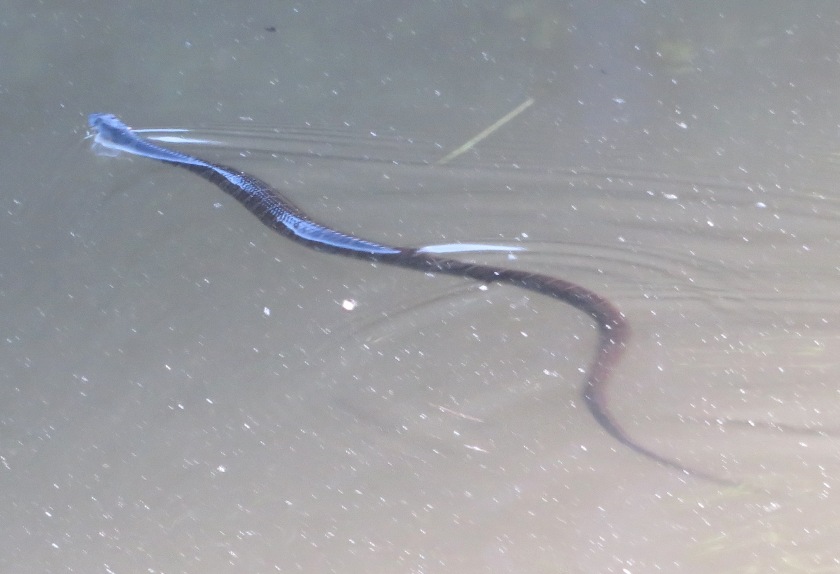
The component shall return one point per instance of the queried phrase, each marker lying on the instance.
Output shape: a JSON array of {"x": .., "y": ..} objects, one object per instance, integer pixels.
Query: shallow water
[{"x": 183, "y": 391}]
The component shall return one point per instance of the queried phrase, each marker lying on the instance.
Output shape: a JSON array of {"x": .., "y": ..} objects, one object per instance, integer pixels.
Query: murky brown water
[{"x": 182, "y": 391}]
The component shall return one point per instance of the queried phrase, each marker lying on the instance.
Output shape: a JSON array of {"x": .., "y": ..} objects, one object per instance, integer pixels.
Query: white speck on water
[{"x": 266, "y": 311}]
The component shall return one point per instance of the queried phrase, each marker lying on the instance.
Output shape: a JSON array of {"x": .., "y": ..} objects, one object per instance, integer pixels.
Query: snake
[{"x": 284, "y": 217}]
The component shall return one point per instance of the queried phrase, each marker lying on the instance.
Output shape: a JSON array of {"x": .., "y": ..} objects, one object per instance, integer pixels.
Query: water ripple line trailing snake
[{"x": 281, "y": 215}]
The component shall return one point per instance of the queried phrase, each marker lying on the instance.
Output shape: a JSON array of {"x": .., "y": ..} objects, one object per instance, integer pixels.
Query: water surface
[{"x": 183, "y": 391}]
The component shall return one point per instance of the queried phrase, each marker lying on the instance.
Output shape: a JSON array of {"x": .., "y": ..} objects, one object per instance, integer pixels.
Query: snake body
[{"x": 284, "y": 217}]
